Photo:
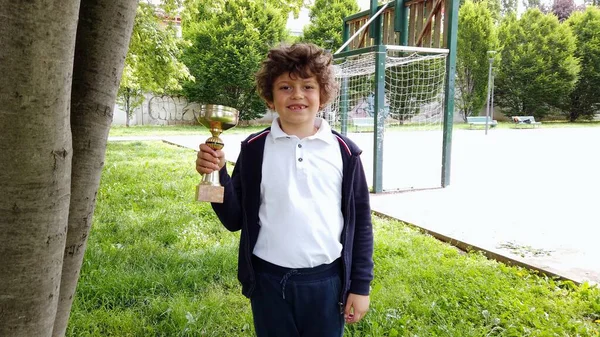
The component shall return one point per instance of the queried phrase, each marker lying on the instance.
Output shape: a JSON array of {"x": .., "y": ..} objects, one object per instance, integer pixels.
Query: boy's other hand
[
  {"x": 209, "y": 160},
  {"x": 356, "y": 308}
]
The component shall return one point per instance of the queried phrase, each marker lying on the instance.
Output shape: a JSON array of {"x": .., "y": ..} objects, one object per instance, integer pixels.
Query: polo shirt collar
[{"x": 323, "y": 132}]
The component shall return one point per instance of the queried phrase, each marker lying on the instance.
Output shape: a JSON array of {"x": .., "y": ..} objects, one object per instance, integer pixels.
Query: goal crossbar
[{"x": 410, "y": 49}]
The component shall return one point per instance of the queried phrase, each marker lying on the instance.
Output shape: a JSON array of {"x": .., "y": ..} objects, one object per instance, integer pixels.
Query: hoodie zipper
[
  {"x": 247, "y": 236},
  {"x": 345, "y": 288}
]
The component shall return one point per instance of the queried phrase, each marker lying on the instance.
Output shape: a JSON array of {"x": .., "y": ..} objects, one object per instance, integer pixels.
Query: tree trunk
[
  {"x": 127, "y": 106},
  {"x": 103, "y": 37},
  {"x": 37, "y": 39}
]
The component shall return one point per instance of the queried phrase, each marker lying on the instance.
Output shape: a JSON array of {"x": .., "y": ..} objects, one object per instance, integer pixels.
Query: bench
[
  {"x": 525, "y": 121},
  {"x": 363, "y": 122},
  {"x": 480, "y": 121}
]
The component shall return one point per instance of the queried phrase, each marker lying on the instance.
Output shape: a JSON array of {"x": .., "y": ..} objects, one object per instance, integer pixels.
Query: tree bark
[
  {"x": 103, "y": 35},
  {"x": 127, "y": 106},
  {"x": 37, "y": 40}
]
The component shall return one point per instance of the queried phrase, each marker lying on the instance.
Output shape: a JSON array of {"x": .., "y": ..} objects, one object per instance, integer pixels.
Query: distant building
[{"x": 165, "y": 20}]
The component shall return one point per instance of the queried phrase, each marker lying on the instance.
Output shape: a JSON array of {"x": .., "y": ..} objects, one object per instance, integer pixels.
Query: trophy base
[{"x": 210, "y": 193}]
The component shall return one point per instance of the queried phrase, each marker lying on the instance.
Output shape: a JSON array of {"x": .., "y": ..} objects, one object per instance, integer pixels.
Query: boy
[{"x": 298, "y": 193}]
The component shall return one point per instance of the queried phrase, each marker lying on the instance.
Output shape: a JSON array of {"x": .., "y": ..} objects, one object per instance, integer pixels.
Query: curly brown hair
[{"x": 301, "y": 59}]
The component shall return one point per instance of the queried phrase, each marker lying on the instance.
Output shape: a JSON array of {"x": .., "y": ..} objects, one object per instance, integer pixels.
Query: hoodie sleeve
[
  {"x": 229, "y": 212},
  {"x": 362, "y": 254}
]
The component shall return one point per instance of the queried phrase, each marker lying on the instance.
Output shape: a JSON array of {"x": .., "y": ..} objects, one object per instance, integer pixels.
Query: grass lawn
[
  {"x": 175, "y": 130},
  {"x": 180, "y": 130},
  {"x": 544, "y": 125},
  {"x": 160, "y": 264}
]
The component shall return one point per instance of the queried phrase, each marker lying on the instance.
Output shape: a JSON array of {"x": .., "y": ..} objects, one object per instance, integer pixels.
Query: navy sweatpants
[{"x": 303, "y": 302}]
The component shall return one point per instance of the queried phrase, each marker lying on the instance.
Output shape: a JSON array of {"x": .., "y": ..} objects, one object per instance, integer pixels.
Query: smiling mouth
[{"x": 297, "y": 107}]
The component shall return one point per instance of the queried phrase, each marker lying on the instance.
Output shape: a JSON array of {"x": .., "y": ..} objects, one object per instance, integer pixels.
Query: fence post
[
  {"x": 344, "y": 87},
  {"x": 379, "y": 123},
  {"x": 451, "y": 8}
]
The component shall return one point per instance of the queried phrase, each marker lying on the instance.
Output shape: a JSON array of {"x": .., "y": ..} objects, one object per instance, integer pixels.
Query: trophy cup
[{"x": 217, "y": 118}]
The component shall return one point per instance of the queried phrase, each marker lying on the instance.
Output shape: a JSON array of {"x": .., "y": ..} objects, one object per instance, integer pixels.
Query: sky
[{"x": 364, "y": 4}]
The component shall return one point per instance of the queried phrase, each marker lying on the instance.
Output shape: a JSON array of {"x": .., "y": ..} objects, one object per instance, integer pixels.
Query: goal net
[
  {"x": 413, "y": 111},
  {"x": 414, "y": 89}
]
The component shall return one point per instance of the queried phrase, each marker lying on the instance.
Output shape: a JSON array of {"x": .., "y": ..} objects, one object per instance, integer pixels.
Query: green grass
[
  {"x": 181, "y": 130},
  {"x": 563, "y": 124},
  {"x": 545, "y": 125},
  {"x": 175, "y": 130},
  {"x": 160, "y": 264}
]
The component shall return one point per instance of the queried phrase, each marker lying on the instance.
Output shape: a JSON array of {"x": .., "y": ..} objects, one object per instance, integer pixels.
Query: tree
[
  {"x": 508, "y": 6},
  {"x": 152, "y": 63},
  {"x": 585, "y": 101},
  {"x": 539, "y": 4},
  {"x": 529, "y": 4},
  {"x": 326, "y": 21},
  {"x": 476, "y": 36},
  {"x": 496, "y": 7},
  {"x": 57, "y": 92},
  {"x": 287, "y": 6},
  {"x": 563, "y": 8},
  {"x": 539, "y": 68},
  {"x": 501, "y": 8},
  {"x": 201, "y": 10},
  {"x": 227, "y": 49}
]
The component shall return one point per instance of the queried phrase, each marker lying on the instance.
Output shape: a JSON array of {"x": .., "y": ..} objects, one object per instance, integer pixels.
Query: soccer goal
[
  {"x": 412, "y": 115},
  {"x": 396, "y": 72},
  {"x": 414, "y": 88}
]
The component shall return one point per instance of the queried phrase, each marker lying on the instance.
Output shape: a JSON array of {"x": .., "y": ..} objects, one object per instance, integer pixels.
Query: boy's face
[{"x": 296, "y": 99}]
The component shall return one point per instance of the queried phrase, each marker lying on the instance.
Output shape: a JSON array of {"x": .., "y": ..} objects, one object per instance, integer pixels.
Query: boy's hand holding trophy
[{"x": 217, "y": 118}]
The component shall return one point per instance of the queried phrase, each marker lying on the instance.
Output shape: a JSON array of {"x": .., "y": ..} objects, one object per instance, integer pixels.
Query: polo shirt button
[
  {"x": 300, "y": 145},
  {"x": 300, "y": 159}
]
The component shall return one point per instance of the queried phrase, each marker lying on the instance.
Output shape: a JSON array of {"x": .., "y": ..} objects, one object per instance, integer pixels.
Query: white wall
[
  {"x": 167, "y": 110},
  {"x": 159, "y": 110}
]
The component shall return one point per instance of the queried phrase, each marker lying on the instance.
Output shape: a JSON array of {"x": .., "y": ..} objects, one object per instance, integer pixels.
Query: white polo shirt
[{"x": 301, "y": 199}]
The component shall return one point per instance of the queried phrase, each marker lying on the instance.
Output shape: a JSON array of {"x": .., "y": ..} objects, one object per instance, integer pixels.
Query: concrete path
[{"x": 526, "y": 196}]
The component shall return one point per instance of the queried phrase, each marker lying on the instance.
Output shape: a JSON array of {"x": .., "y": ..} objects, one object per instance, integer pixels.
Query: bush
[{"x": 539, "y": 68}]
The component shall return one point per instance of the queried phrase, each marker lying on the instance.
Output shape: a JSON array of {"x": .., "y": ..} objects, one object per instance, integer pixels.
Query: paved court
[{"x": 531, "y": 196}]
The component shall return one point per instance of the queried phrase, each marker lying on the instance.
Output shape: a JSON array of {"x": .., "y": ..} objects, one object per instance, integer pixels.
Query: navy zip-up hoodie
[{"x": 242, "y": 201}]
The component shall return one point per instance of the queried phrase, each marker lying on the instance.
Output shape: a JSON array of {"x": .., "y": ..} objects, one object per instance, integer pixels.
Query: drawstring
[{"x": 284, "y": 280}]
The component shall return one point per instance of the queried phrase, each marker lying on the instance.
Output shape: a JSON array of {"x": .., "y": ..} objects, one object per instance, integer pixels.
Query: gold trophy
[{"x": 217, "y": 118}]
